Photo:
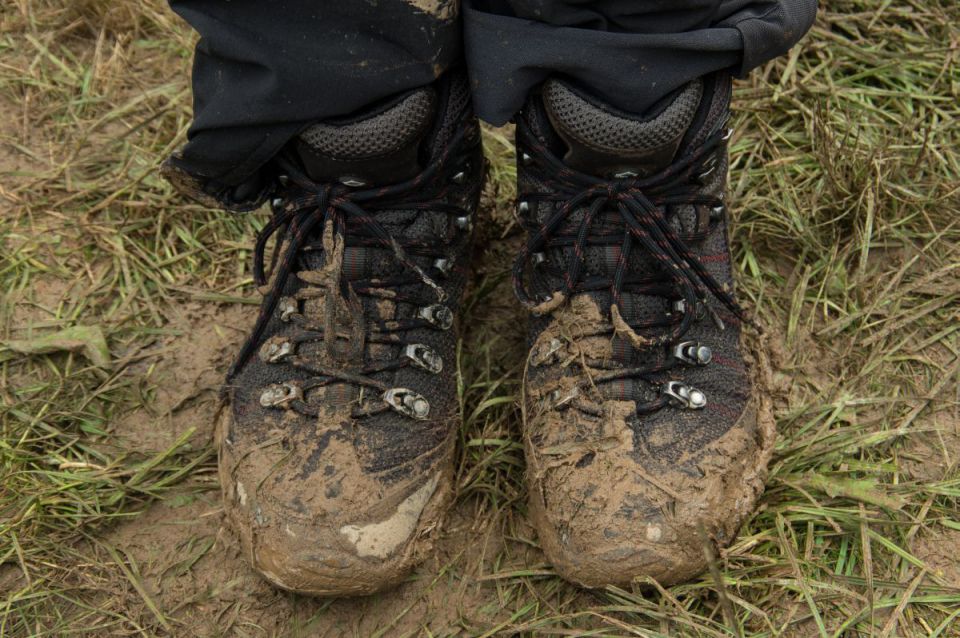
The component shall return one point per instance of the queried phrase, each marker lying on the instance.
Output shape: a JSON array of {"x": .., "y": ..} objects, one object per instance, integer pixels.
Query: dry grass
[{"x": 846, "y": 179}]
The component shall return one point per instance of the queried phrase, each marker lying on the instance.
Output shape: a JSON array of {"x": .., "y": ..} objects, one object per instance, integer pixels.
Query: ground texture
[{"x": 122, "y": 305}]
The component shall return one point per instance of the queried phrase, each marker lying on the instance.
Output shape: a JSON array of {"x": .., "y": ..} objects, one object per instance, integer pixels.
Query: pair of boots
[{"x": 645, "y": 439}]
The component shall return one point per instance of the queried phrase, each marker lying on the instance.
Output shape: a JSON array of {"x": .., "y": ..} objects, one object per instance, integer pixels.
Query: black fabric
[
  {"x": 267, "y": 69},
  {"x": 628, "y": 53}
]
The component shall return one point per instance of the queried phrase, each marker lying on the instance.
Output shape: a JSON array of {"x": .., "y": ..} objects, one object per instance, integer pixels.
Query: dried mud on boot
[
  {"x": 626, "y": 498},
  {"x": 642, "y": 423},
  {"x": 336, "y": 444},
  {"x": 311, "y": 555}
]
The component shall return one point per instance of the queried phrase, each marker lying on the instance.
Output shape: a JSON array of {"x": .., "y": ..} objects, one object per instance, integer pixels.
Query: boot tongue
[
  {"x": 375, "y": 147},
  {"x": 604, "y": 141}
]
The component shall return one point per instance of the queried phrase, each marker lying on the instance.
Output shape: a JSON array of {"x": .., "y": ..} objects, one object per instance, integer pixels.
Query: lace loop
[{"x": 641, "y": 205}]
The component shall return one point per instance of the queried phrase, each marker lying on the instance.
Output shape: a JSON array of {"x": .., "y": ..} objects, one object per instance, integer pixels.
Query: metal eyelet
[
  {"x": 352, "y": 182},
  {"x": 680, "y": 306},
  {"x": 727, "y": 135},
  {"x": 443, "y": 265},
  {"x": 280, "y": 394},
  {"x": 287, "y": 307},
  {"x": 716, "y": 213},
  {"x": 438, "y": 315},
  {"x": 424, "y": 357},
  {"x": 459, "y": 178},
  {"x": 464, "y": 223},
  {"x": 275, "y": 349},
  {"x": 684, "y": 396},
  {"x": 625, "y": 174},
  {"x": 538, "y": 258},
  {"x": 523, "y": 207},
  {"x": 276, "y": 203},
  {"x": 693, "y": 353},
  {"x": 525, "y": 159},
  {"x": 408, "y": 403}
]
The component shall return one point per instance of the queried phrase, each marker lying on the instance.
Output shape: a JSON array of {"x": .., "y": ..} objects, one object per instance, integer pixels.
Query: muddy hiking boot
[
  {"x": 336, "y": 446},
  {"x": 644, "y": 437}
]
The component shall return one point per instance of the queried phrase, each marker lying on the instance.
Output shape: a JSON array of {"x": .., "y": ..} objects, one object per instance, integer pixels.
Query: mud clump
[{"x": 608, "y": 506}]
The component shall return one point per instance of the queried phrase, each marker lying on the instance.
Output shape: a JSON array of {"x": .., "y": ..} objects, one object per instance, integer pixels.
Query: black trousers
[{"x": 266, "y": 69}]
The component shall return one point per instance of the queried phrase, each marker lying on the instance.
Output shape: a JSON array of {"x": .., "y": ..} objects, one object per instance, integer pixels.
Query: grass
[{"x": 846, "y": 183}]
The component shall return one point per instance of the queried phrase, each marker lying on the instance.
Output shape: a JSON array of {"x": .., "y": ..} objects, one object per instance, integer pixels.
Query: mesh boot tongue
[
  {"x": 377, "y": 146},
  {"x": 604, "y": 141}
]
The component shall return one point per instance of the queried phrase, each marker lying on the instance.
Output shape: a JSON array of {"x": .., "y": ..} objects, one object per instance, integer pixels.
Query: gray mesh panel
[
  {"x": 618, "y": 133},
  {"x": 379, "y": 134}
]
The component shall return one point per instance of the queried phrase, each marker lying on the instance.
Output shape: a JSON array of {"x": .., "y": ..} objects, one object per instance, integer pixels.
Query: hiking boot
[
  {"x": 644, "y": 437},
  {"x": 337, "y": 442}
]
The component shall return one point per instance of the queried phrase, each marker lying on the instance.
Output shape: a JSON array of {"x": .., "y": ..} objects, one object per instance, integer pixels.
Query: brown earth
[{"x": 191, "y": 560}]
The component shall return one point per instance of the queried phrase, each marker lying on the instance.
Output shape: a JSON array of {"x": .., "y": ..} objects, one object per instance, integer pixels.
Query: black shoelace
[
  {"x": 343, "y": 216},
  {"x": 641, "y": 204}
]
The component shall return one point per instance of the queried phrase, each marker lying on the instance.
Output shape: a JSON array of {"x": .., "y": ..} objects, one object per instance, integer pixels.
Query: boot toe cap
[
  {"x": 613, "y": 516},
  {"x": 337, "y": 554},
  {"x": 326, "y": 526}
]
